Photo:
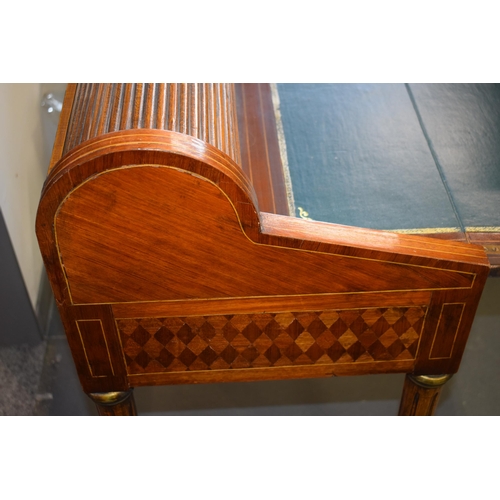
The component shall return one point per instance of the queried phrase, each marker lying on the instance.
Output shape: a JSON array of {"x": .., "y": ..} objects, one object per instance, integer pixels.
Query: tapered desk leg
[
  {"x": 421, "y": 394},
  {"x": 114, "y": 403}
]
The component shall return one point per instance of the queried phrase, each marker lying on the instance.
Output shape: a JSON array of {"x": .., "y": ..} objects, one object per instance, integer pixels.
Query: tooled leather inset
[{"x": 153, "y": 345}]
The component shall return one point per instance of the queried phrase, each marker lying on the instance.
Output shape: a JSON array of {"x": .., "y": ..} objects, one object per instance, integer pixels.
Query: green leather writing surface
[
  {"x": 463, "y": 125},
  {"x": 390, "y": 156}
]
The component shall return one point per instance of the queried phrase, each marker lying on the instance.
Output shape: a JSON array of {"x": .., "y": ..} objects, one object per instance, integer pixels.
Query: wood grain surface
[{"x": 260, "y": 154}]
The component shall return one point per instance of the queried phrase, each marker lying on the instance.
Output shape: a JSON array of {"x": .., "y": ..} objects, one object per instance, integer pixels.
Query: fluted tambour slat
[{"x": 206, "y": 111}]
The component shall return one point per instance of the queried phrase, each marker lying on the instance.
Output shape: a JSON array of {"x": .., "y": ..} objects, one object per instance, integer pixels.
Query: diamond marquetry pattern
[{"x": 153, "y": 345}]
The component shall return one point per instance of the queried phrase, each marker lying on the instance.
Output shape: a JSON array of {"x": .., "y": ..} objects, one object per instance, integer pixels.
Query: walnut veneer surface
[{"x": 163, "y": 226}]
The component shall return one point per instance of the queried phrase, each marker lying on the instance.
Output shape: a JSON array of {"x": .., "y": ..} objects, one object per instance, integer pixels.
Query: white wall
[{"x": 23, "y": 166}]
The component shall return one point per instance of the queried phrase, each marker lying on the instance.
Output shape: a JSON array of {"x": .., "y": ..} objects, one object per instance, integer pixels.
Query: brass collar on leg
[
  {"x": 430, "y": 381},
  {"x": 109, "y": 398}
]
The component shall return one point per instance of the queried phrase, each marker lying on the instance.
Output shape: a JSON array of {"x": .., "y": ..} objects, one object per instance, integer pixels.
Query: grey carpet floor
[{"x": 20, "y": 371}]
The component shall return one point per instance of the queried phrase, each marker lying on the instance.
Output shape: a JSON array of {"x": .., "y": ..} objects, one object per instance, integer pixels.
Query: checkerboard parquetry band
[{"x": 156, "y": 345}]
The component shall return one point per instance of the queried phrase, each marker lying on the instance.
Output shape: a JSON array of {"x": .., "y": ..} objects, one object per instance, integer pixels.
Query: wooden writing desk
[{"x": 163, "y": 226}]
